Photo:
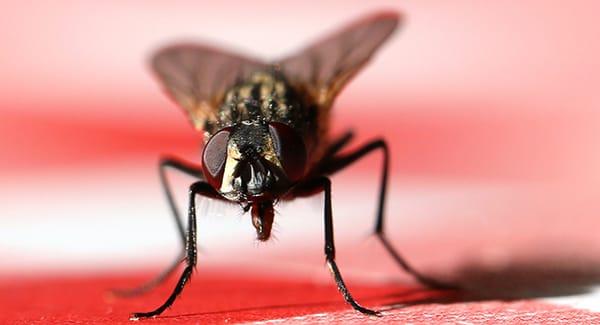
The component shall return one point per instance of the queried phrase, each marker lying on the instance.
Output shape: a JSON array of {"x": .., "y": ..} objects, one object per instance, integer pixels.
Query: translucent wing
[
  {"x": 196, "y": 77},
  {"x": 327, "y": 66}
]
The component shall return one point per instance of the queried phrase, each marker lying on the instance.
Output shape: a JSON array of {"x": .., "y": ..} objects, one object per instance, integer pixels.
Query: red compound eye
[
  {"x": 290, "y": 148},
  {"x": 214, "y": 156}
]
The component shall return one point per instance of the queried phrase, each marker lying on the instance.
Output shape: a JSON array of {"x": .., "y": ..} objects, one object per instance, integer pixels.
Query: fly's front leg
[
  {"x": 198, "y": 188},
  {"x": 323, "y": 184},
  {"x": 188, "y": 169},
  {"x": 342, "y": 161}
]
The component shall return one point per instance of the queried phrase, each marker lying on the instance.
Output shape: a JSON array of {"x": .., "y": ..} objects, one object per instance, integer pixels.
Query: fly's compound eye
[
  {"x": 214, "y": 156},
  {"x": 290, "y": 149}
]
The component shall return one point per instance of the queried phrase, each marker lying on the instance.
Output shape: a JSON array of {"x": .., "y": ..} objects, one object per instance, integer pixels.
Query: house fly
[{"x": 266, "y": 135}]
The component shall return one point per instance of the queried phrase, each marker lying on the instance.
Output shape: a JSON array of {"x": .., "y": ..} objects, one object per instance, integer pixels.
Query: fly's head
[{"x": 254, "y": 163}]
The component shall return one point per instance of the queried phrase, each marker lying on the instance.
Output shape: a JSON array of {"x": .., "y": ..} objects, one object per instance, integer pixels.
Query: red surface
[
  {"x": 210, "y": 297},
  {"x": 219, "y": 297}
]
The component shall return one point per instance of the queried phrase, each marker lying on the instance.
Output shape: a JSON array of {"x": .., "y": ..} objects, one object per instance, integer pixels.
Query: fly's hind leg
[
  {"x": 338, "y": 144},
  {"x": 340, "y": 162}
]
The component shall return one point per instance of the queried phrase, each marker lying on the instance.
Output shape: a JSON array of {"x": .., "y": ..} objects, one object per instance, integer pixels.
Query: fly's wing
[
  {"x": 196, "y": 77},
  {"x": 324, "y": 68}
]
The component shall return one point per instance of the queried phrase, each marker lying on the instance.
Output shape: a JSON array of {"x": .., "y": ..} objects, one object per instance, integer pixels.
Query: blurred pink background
[{"x": 490, "y": 108}]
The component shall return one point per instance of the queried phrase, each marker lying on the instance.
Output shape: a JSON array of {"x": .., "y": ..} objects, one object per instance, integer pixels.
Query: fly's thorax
[{"x": 268, "y": 96}]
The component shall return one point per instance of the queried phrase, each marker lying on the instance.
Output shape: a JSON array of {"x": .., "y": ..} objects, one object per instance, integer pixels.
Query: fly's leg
[
  {"x": 188, "y": 169},
  {"x": 338, "y": 144},
  {"x": 198, "y": 188},
  {"x": 323, "y": 184},
  {"x": 333, "y": 148},
  {"x": 342, "y": 161}
]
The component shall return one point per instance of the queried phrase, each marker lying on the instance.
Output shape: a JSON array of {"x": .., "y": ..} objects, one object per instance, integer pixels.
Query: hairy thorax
[{"x": 267, "y": 97}]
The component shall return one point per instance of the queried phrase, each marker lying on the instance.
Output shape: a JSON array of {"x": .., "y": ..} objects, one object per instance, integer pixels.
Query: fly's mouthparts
[{"x": 262, "y": 219}]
